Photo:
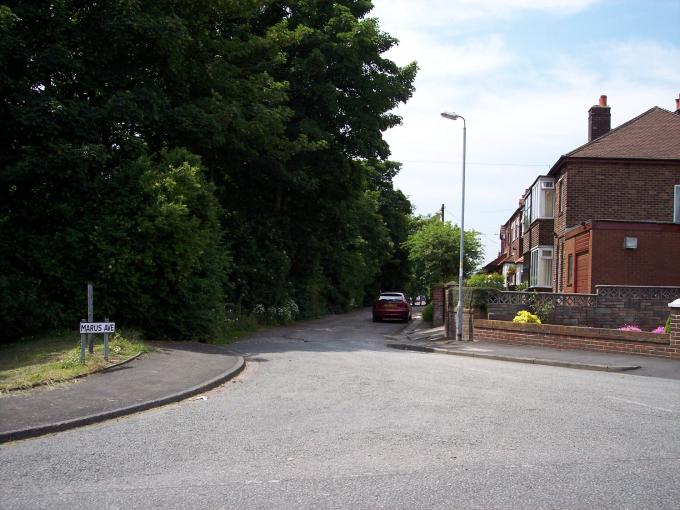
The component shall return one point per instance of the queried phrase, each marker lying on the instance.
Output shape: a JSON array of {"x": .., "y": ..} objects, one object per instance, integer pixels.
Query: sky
[{"x": 523, "y": 73}]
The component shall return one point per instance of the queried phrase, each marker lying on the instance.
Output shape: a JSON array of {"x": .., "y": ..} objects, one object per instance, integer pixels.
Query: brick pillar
[
  {"x": 437, "y": 305},
  {"x": 468, "y": 321},
  {"x": 675, "y": 323},
  {"x": 449, "y": 311}
]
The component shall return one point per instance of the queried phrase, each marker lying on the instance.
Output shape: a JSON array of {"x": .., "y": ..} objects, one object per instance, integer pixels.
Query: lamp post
[{"x": 459, "y": 311}]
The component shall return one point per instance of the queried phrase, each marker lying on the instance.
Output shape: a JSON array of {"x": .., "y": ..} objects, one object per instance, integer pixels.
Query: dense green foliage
[
  {"x": 183, "y": 155},
  {"x": 428, "y": 312},
  {"x": 433, "y": 250},
  {"x": 492, "y": 281}
]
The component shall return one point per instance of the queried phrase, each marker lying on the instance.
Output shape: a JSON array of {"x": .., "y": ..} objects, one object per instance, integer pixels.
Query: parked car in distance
[{"x": 391, "y": 305}]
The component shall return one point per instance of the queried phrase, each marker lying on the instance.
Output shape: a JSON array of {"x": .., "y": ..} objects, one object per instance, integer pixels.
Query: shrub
[
  {"x": 521, "y": 287},
  {"x": 541, "y": 306},
  {"x": 667, "y": 327},
  {"x": 428, "y": 313},
  {"x": 526, "y": 317},
  {"x": 473, "y": 297},
  {"x": 491, "y": 281}
]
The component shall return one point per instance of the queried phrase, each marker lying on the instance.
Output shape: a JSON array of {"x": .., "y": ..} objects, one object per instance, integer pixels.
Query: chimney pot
[
  {"x": 603, "y": 100},
  {"x": 677, "y": 105}
]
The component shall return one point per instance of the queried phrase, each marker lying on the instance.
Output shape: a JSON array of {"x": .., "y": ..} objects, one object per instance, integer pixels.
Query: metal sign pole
[
  {"x": 90, "y": 315},
  {"x": 82, "y": 345},
  {"x": 106, "y": 342}
]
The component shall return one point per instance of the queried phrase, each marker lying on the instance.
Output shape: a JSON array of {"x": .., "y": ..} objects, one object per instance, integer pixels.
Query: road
[{"x": 325, "y": 416}]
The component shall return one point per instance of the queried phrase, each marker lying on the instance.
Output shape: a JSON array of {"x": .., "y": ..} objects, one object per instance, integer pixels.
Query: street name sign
[{"x": 97, "y": 327}]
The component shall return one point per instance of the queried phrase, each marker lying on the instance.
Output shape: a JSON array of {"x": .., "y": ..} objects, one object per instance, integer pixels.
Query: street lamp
[{"x": 459, "y": 312}]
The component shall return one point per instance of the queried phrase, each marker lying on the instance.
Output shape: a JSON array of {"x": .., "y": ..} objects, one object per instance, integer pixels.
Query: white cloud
[
  {"x": 405, "y": 14},
  {"x": 438, "y": 58}
]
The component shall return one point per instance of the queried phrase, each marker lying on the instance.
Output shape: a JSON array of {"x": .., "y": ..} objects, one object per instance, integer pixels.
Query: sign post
[
  {"x": 90, "y": 328},
  {"x": 106, "y": 342},
  {"x": 83, "y": 340},
  {"x": 96, "y": 328},
  {"x": 90, "y": 314}
]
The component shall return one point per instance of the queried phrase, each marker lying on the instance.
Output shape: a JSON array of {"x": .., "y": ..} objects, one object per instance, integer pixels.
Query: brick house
[
  {"x": 608, "y": 212},
  {"x": 510, "y": 262}
]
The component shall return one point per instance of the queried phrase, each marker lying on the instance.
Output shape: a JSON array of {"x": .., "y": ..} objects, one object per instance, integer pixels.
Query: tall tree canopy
[
  {"x": 434, "y": 252},
  {"x": 182, "y": 155}
]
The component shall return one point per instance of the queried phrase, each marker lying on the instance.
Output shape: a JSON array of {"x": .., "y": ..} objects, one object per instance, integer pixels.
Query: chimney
[
  {"x": 599, "y": 119},
  {"x": 677, "y": 105}
]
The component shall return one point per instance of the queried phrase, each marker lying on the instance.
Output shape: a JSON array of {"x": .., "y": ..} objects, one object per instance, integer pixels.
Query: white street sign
[{"x": 97, "y": 327}]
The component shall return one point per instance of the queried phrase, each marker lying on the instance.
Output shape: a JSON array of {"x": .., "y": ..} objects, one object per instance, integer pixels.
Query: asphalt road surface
[{"x": 325, "y": 416}]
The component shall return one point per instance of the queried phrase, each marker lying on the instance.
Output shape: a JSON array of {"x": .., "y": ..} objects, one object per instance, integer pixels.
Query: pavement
[
  {"x": 419, "y": 336},
  {"x": 173, "y": 372}
]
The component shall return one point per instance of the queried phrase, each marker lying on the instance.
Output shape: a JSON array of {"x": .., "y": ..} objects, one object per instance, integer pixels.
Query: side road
[
  {"x": 418, "y": 336},
  {"x": 174, "y": 371}
]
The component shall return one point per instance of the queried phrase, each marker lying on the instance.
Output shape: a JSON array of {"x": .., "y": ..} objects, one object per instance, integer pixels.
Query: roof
[
  {"x": 495, "y": 263},
  {"x": 654, "y": 134}
]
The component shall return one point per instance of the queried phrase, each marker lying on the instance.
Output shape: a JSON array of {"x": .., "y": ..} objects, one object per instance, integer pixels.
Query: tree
[
  {"x": 190, "y": 153},
  {"x": 434, "y": 252},
  {"x": 341, "y": 91}
]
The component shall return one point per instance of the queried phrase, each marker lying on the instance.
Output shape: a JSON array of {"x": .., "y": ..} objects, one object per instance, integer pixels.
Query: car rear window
[{"x": 391, "y": 297}]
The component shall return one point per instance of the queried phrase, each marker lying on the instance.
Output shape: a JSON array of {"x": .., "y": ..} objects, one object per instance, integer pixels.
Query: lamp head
[{"x": 450, "y": 115}]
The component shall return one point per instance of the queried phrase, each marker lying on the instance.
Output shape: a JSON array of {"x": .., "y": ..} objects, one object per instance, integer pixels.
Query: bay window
[
  {"x": 542, "y": 199},
  {"x": 541, "y": 267}
]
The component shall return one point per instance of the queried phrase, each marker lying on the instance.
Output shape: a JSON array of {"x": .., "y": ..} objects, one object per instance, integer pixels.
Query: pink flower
[
  {"x": 660, "y": 329},
  {"x": 629, "y": 327}
]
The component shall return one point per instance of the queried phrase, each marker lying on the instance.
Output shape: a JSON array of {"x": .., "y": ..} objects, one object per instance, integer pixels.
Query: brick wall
[
  {"x": 541, "y": 233},
  {"x": 675, "y": 327},
  {"x": 569, "y": 337},
  {"x": 618, "y": 190},
  {"x": 655, "y": 261}
]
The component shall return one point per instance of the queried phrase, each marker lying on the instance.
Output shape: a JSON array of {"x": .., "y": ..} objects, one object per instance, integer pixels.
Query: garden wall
[
  {"x": 589, "y": 339},
  {"x": 611, "y": 307}
]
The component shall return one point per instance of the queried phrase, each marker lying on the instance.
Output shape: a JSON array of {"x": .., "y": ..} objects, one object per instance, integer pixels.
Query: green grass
[{"x": 56, "y": 358}]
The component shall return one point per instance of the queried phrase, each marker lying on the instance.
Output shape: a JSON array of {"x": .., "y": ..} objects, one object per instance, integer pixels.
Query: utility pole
[{"x": 442, "y": 213}]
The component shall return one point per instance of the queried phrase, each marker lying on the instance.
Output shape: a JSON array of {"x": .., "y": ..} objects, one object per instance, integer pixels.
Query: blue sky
[{"x": 524, "y": 74}]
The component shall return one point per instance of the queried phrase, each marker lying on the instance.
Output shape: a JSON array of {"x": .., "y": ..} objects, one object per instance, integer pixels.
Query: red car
[{"x": 391, "y": 305}]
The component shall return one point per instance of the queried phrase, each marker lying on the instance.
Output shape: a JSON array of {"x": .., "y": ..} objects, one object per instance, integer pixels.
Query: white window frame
[
  {"x": 526, "y": 214},
  {"x": 543, "y": 199},
  {"x": 559, "y": 200},
  {"x": 539, "y": 276},
  {"x": 676, "y": 204}
]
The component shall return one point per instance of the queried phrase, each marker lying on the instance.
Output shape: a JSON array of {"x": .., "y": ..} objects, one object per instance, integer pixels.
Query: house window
[
  {"x": 676, "y": 208},
  {"x": 570, "y": 269},
  {"x": 541, "y": 267},
  {"x": 526, "y": 215},
  {"x": 560, "y": 196},
  {"x": 542, "y": 199}
]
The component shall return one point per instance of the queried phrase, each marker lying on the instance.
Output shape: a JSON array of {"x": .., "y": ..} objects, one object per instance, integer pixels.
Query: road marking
[{"x": 640, "y": 404}]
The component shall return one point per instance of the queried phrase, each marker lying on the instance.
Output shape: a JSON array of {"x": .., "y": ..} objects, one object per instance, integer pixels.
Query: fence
[{"x": 611, "y": 307}]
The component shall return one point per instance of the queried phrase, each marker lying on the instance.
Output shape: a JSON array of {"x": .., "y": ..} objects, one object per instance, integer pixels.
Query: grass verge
[{"x": 56, "y": 358}]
